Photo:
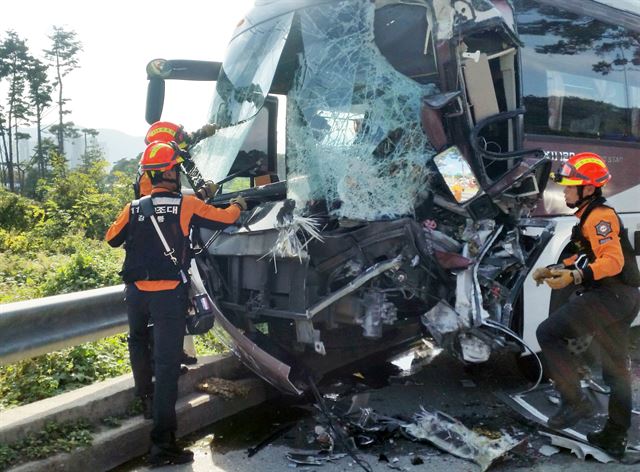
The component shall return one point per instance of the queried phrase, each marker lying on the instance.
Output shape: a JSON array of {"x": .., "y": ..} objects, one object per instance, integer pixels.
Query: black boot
[
  {"x": 169, "y": 453},
  {"x": 187, "y": 359},
  {"x": 147, "y": 406},
  {"x": 612, "y": 439},
  {"x": 570, "y": 413}
]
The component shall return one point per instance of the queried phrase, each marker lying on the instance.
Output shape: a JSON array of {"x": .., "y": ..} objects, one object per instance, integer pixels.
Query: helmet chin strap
[
  {"x": 177, "y": 182},
  {"x": 582, "y": 200}
]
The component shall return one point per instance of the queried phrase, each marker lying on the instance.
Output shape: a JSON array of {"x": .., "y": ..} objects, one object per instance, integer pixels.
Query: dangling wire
[{"x": 504, "y": 329}]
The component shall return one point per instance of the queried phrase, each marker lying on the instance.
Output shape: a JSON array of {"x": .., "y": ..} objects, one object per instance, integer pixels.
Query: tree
[
  {"x": 63, "y": 56},
  {"x": 39, "y": 167},
  {"x": 40, "y": 98},
  {"x": 91, "y": 132},
  {"x": 68, "y": 130},
  {"x": 14, "y": 61},
  {"x": 615, "y": 45}
]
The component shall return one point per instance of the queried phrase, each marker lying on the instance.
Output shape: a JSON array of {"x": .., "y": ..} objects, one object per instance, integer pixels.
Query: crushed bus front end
[{"x": 401, "y": 204}]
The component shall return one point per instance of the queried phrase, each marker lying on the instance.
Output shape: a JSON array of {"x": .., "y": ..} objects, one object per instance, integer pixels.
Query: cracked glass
[
  {"x": 245, "y": 79},
  {"x": 354, "y": 136}
]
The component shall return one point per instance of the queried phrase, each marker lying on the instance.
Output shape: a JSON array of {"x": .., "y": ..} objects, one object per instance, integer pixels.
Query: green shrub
[
  {"x": 94, "y": 213},
  {"x": 13, "y": 241},
  {"x": 51, "y": 374},
  {"x": 208, "y": 343},
  {"x": 55, "y": 437},
  {"x": 87, "y": 268},
  {"x": 56, "y": 246},
  {"x": 18, "y": 213}
]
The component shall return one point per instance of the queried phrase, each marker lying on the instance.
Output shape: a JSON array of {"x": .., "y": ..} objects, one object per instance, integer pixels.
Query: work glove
[
  {"x": 209, "y": 129},
  {"x": 240, "y": 201},
  {"x": 560, "y": 278},
  {"x": 540, "y": 274},
  {"x": 208, "y": 190}
]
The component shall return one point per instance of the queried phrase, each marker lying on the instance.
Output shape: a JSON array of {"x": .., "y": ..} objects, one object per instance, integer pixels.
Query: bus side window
[{"x": 579, "y": 76}]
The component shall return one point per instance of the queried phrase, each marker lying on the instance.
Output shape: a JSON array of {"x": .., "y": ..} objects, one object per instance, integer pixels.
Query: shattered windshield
[
  {"x": 244, "y": 82},
  {"x": 354, "y": 136}
]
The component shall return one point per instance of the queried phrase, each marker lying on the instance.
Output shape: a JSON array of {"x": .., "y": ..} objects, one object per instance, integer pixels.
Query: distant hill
[
  {"x": 115, "y": 144},
  {"x": 118, "y": 145}
]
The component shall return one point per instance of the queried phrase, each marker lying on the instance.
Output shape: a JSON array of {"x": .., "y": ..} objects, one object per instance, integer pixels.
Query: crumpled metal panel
[{"x": 452, "y": 436}]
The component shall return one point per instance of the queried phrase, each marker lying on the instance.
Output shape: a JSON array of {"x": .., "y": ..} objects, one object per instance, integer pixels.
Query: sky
[{"x": 119, "y": 38}]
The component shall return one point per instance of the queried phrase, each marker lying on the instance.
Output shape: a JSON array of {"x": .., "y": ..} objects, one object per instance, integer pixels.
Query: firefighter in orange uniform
[
  {"x": 605, "y": 303},
  {"x": 166, "y": 132},
  {"x": 156, "y": 286}
]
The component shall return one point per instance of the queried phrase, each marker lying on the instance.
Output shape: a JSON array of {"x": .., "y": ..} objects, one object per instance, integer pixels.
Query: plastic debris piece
[
  {"x": 548, "y": 451},
  {"x": 580, "y": 449},
  {"x": 468, "y": 383}
]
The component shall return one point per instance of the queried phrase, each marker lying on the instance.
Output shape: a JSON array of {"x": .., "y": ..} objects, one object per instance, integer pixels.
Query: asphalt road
[{"x": 442, "y": 384}]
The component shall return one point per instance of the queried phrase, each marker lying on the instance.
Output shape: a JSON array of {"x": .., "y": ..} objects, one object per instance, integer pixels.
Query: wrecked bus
[{"x": 382, "y": 147}]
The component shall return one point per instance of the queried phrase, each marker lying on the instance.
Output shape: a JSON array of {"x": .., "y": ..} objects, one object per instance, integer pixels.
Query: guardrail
[{"x": 33, "y": 327}]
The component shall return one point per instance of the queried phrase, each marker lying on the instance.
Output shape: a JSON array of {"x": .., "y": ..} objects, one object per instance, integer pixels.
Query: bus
[
  {"x": 395, "y": 182},
  {"x": 581, "y": 89}
]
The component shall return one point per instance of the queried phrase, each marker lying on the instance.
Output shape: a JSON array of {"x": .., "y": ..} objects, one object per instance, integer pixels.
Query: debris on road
[
  {"x": 537, "y": 405},
  {"x": 227, "y": 389},
  {"x": 548, "y": 451},
  {"x": 313, "y": 457},
  {"x": 580, "y": 449},
  {"x": 452, "y": 436}
]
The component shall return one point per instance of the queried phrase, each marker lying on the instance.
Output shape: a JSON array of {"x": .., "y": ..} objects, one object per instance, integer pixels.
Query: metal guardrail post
[{"x": 33, "y": 327}]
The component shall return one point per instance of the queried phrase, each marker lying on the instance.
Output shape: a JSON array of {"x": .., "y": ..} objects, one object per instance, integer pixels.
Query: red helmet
[
  {"x": 585, "y": 168},
  {"x": 164, "y": 132},
  {"x": 159, "y": 156}
]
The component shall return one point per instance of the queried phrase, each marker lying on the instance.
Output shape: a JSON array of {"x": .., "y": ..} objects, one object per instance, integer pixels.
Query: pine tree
[
  {"x": 14, "y": 61},
  {"x": 63, "y": 56},
  {"x": 40, "y": 98}
]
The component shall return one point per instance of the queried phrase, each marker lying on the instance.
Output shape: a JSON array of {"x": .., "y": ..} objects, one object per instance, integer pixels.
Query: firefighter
[
  {"x": 603, "y": 268},
  {"x": 165, "y": 131},
  {"x": 156, "y": 286}
]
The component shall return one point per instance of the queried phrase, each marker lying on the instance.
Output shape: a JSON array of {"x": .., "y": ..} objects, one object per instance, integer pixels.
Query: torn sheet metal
[
  {"x": 452, "y": 436},
  {"x": 259, "y": 361},
  {"x": 441, "y": 320},
  {"x": 537, "y": 405}
]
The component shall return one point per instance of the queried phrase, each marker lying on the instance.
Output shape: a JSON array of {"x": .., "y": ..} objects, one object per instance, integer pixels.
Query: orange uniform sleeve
[
  {"x": 602, "y": 229},
  {"x": 117, "y": 232},
  {"x": 196, "y": 212}
]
